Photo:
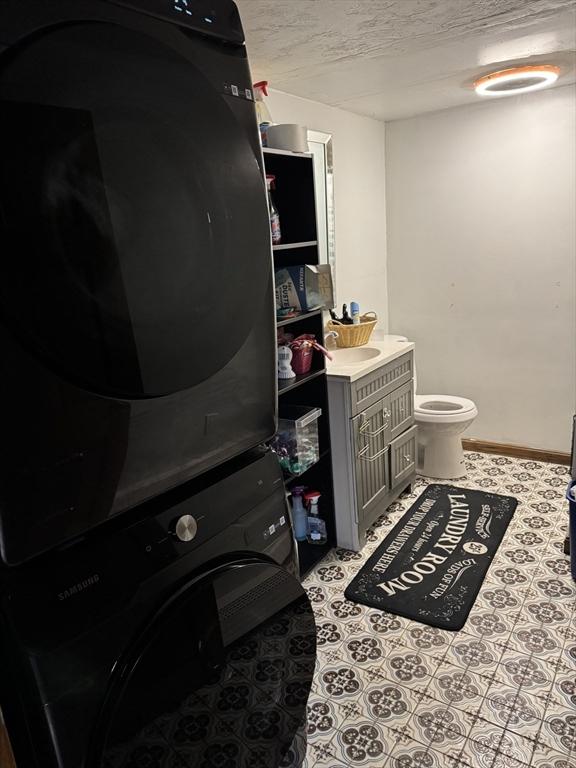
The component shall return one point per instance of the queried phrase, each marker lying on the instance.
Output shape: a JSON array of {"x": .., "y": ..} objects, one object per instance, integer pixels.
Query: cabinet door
[
  {"x": 401, "y": 409},
  {"x": 403, "y": 456},
  {"x": 370, "y": 436}
]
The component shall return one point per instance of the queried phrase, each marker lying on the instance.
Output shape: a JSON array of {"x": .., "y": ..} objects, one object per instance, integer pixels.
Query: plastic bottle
[
  {"x": 355, "y": 313},
  {"x": 262, "y": 111},
  {"x": 346, "y": 319},
  {"x": 274, "y": 215},
  {"x": 316, "y": 526},
  {"x": 299, "y": 517}
]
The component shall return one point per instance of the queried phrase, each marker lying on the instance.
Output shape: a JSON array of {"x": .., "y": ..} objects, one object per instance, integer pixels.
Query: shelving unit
[
  {"x": 295, "y": 200},
  {"x": 286, "y": 153},
  {"x": 289, "y": 384},
  {"x": 301, "y": 316},
  {"x": 287, "y": 246}
]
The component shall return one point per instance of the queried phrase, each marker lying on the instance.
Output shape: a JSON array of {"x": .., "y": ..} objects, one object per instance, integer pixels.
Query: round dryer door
[
  {"x": 221, "y": 677},
  {"x": 134, "y": 237}
]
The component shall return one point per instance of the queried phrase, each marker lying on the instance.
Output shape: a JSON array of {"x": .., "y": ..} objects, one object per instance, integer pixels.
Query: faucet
[{"x": 330, "y": 335}]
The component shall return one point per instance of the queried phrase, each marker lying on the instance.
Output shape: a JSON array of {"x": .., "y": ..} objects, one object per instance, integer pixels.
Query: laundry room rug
[{"x": 431, "y": 565}]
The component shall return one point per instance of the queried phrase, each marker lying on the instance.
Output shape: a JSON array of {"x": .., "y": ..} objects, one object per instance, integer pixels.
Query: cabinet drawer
[
  {"x": 370, "y": 436},
  {"x": 403, "y": 451},
  {"x": 376, "y": 385},
  {"x": 401, "y": 409}
]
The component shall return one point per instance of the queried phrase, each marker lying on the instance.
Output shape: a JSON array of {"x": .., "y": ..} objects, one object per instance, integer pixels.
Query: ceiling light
[{"x": 517, "y": 80}]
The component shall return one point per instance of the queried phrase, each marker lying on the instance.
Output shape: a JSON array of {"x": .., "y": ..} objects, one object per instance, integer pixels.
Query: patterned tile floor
[{"x": 500, "y": 693}]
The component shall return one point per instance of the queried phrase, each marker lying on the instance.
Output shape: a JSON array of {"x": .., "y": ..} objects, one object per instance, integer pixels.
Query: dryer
[
  {"x": 136, "y": 295},
  {"x": 181, "y": 639}
]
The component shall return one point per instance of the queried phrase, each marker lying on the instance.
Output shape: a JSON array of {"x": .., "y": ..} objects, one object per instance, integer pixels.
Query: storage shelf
[
  {"x": 310, "y": 554},
  {"x": 286, "y": 385},
  {"x": 295, "y": 199},
  {"x": 289, "y": 478},
  {"x": 288, "y": 246},
  {"x": 300, "y": 316},
  {"x": 286, "y": 152}
]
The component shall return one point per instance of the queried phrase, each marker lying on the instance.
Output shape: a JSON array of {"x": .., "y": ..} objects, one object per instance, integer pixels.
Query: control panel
[
  {"x": 239, "y": 509},
  {"x": 186, "y": 528},
  {"x": 217, "y": 18}
]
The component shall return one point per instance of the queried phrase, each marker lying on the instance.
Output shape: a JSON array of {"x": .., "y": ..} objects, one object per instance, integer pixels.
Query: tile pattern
[
  {"x": 249, "y": 711},
  {"x": 500, "y": 693}
]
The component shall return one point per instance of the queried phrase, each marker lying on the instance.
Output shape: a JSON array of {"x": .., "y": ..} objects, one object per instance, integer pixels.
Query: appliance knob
[{"x": 186, "y": 528}]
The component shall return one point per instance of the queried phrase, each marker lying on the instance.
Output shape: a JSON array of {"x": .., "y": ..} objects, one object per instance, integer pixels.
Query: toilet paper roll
[{"x": 288, "y": 136}]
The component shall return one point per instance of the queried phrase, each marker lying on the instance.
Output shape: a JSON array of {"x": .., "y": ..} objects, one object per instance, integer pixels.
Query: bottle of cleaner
[
  {"x": 274, "y": 216},
  {"x": 262, "y": 111},
  {"x": 316, "y": 526},
  {"x": 299, "y": 517}
]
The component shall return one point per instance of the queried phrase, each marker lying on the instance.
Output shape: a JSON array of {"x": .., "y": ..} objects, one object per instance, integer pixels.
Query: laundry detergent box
[{"x": 304, "y": 287}]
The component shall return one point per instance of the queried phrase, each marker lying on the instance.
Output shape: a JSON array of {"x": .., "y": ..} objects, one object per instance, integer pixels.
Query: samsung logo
[{"x": 80, "y": 587}]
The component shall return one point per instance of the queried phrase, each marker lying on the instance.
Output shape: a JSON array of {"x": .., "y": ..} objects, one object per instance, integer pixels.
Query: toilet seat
[{"x": 443, "y": 408}]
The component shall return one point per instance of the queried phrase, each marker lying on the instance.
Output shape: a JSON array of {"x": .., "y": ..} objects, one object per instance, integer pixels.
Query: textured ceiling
[{"x": 394, "y": 58}]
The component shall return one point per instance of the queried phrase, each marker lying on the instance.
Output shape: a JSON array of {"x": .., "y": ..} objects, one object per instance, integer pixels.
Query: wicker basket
[{"x": 354, "y": 335}]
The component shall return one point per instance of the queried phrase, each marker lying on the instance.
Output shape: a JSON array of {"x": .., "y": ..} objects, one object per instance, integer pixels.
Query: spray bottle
[
  {"x": 316, "y": 526},
  {"x": 299, "y": 516},
  {"x": 262, "y": 111},
  {"x": 274, "y": 215}
]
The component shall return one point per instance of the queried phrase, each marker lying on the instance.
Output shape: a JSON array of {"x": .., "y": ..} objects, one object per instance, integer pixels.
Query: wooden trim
[
  {"x": 6, "y": 757},
  {"x": 518, "y": 451}
]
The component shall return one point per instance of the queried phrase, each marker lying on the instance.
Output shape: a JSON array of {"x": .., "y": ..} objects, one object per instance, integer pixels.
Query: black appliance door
[
  {"x": 134, "y": 242},
  {"x": 220, "y": 677}
]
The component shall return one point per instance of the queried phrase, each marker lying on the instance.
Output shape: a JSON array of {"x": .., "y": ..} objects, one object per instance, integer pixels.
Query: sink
[{"x": 354, "y": 355}]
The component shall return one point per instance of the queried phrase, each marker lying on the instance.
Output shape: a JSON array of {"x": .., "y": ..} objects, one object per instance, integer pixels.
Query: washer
[
  {"x": 136, "y": 293},
  {"x": 182, "y": 639}
]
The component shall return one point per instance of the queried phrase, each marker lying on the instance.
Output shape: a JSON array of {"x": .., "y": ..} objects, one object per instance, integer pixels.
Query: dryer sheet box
[{"x": 304, "y": 287}]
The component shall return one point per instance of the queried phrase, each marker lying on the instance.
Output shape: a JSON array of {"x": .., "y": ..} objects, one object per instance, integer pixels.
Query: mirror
[{"x": 320, "y": 145}]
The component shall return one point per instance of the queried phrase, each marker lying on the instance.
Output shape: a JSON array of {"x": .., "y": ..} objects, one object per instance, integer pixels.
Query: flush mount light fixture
[{"x": 517, "y": 80}]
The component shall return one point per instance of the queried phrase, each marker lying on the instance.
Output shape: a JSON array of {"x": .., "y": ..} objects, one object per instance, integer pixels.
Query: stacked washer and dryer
[{"x": 150, "y": 608}]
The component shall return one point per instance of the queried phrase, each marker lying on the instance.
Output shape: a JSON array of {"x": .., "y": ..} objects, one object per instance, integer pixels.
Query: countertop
[{"x": 389, "y": 349}]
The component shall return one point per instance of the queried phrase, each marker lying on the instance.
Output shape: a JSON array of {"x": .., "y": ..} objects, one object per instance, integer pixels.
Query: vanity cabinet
[
  {"x": 373, "y": 445},
  {"x": 370, "y": 437},
  {"x": 401, "y": 409},
  {"x": 403, "y": 457}
]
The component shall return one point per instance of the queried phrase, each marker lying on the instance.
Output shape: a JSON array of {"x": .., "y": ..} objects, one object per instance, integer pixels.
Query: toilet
[{"x": 441, "y": 420}]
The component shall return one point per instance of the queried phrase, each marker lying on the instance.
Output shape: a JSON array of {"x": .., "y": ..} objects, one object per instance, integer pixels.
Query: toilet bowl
[{"x": 441, "y": 419}]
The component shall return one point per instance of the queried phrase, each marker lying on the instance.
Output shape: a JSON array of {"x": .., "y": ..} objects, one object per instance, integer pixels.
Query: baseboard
[{"x": 519, "y": 451}]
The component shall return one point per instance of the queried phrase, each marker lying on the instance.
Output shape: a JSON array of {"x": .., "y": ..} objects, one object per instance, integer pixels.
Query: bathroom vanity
[{"x": 373, "y": 437}]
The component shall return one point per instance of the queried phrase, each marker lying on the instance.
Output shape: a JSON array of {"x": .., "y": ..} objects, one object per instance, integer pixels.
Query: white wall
[
  {"x": 481, "y": 212},
  {"x": 358, "y": 144}
]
